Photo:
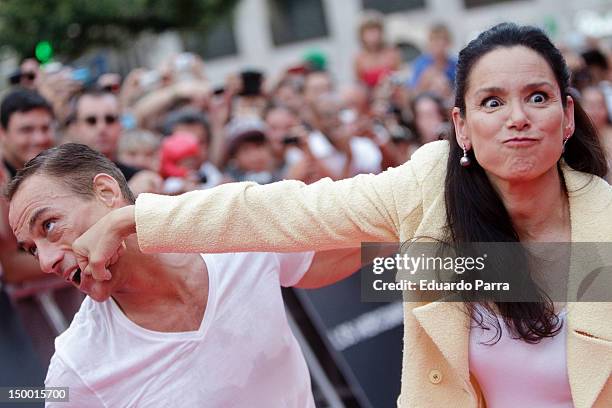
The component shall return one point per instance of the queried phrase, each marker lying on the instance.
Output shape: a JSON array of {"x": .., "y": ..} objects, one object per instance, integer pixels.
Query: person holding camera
[{"x": 289, "y": 144}]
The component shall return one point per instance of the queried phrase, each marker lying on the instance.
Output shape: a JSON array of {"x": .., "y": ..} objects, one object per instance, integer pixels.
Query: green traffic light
[{"x": 43, "y": 51}]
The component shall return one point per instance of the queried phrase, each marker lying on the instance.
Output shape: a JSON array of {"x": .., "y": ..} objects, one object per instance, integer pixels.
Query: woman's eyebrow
[
  {"x": 490, "y": 89},
  {"x": 539, "y": 84},
  {"x": 497, "y": 89}
]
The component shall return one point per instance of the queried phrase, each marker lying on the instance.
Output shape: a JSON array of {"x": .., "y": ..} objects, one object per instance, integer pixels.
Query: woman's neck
[{"x": 539, "y": 209}]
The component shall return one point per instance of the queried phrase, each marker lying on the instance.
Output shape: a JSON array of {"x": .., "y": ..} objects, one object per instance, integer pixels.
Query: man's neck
[
  {"x": 160, "y": 286},
  {"x": 539, "y": 209}
]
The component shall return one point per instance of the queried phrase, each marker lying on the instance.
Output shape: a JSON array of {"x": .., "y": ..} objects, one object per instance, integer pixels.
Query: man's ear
[
  {"x": 107, "y": 190},
  {"x": 460, "y": 129}
]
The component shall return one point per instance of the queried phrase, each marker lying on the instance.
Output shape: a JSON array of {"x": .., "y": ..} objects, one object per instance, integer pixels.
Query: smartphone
[
  {"x": 251, "y": 83},
  {"x": 80, "y": 75},
  {"x": 183, "y": 61},
  {"x": 348, "y": 116},
  {"x": 149, "y": 80}
]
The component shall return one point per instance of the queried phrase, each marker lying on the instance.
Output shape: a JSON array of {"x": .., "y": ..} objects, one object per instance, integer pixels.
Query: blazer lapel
[
  {"x": 589, "y": 353},
  {"x": 589, "y": 332}
]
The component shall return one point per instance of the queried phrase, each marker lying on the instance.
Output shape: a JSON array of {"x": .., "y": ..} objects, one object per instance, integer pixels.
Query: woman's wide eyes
[
  {"x": 538, "y": 97},
  {"x": 491, "y": 103}
]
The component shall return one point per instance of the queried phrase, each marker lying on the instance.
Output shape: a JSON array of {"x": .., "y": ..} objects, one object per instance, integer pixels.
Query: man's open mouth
[{"x": 75, "y": 276}]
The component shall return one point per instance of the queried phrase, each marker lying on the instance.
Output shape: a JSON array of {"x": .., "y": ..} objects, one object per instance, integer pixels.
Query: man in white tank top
[{"x": 180, "y": 330}]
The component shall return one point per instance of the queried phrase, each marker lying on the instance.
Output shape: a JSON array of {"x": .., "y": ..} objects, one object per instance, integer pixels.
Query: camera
[{"x": 289, "y": 140}]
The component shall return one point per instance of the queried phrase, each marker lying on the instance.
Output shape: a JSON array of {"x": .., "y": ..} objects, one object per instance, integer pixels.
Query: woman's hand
[{"x": 102, "y": 244}]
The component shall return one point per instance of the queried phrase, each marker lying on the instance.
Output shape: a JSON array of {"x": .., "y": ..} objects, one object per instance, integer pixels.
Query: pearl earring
[{"x": 465, "y": 160}]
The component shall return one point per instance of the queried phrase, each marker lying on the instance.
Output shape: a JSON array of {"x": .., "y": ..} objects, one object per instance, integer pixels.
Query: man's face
[
  {"x": 328, "y": 112},
  {"x": 97, "y": 123},
  {"x": 254, "y": 157},
  {"x": 199, "y": 131},
  {"x": 46, "y": 217},
  {"x": 27, "y": 134},
  {"x": 316, "y": 84},
  {"x": 141, "y": 158},
  {"x": 280, "y": 122},
  {"x": 439, "y": 44},
  {"x": 29, "y": 73}
]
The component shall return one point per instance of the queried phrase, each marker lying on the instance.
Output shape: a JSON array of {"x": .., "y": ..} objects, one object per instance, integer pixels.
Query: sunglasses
[
  {"x": 30, "y": 76},
  {"x": 108, "y": 119},
  {"x": 114, "y": 88}
]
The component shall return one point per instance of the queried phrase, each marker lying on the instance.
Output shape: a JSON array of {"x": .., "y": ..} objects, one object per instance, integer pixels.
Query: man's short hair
[
  {"x": 137, "y": 139},
  {"x": 440, "y": 29},
  {"x": 93, "y": 93},
  {"x": 185, "y": 116},
  {"x": 75, "y": 166},
  {"x": 21, "y": 100}
]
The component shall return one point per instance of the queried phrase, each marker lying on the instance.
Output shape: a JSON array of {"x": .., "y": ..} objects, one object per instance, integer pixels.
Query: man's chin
[
  {"x": 97, "y": 292},
  {"x": 99, "y": 297}
]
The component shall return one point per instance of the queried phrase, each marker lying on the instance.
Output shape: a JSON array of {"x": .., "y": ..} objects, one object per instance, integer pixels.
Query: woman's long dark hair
[{"x": 474, "y": 210}]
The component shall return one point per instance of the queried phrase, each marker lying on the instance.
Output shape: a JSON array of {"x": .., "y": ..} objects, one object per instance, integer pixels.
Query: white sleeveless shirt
[{"x": 512, "y": 373}]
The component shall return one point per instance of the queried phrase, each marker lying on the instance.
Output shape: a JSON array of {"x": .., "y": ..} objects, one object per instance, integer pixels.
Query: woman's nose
[{"x": 518, "y": 118}]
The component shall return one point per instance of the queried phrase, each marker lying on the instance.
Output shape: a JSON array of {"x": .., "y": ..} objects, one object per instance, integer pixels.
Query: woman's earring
[
  {"x": 564, "y": 143},
  {"x": 465, "y": 160}
]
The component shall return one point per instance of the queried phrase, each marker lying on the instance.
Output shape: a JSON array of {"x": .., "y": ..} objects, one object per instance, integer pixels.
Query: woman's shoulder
[
  {"x": 430, "y": 159},
  {"x": 437, "y": 149},
  {"x": 581, "y": 184}
]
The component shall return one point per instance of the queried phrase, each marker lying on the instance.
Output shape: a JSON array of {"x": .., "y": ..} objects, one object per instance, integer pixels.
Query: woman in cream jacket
[{"x": 525, "y": 166}]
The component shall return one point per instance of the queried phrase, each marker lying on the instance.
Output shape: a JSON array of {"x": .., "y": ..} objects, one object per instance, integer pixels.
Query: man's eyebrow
[{"x": 37, "y": 214}]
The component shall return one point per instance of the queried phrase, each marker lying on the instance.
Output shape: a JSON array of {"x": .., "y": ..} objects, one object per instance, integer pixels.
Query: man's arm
[{"x": 329, "y": 267}]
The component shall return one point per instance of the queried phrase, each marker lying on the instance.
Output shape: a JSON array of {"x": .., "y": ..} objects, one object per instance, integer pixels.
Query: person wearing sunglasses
[
  {"x": 97, "y": 122},
  {"x": 26, "y": 75},
  {"x": 110, "y": 82},
  {"x": 97, "y": 125}
]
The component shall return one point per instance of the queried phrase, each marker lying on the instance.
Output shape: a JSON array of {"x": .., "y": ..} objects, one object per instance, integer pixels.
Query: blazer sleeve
[{"x": 284, "y": 216}]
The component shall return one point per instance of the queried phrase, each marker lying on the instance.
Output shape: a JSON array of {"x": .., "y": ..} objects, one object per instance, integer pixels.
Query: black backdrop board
[
  {"x": 365, "y": 338},
  {"x": 19, "y": 365}
]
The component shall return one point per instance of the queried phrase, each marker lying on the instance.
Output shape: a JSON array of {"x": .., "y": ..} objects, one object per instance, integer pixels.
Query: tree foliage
[{"x": 72, "y": 26}]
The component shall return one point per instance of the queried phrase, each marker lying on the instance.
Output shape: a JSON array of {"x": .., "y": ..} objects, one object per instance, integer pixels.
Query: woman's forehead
[{"x": 509, "y": 66}]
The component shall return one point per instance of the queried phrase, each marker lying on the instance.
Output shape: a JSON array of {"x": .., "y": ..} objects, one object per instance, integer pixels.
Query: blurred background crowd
[{"x": 181, "y": 123}]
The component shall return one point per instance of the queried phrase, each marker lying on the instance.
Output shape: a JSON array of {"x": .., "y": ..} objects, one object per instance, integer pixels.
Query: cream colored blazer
[{"x": 394, "y": 206}]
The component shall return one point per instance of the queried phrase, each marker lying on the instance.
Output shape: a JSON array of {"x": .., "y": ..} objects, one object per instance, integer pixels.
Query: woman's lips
[{"x": 521, "y": 142}]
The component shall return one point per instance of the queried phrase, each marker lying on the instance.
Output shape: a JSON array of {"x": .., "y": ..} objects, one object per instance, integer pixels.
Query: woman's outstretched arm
[
  {"x": 284, "y": 216},
  {"x": 280, "y": 217}
]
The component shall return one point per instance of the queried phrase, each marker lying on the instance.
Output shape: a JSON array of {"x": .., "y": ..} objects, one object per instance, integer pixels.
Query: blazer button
[{"x": 435, "y": 376}]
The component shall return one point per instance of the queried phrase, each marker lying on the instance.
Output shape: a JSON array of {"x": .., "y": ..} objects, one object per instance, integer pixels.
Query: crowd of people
[
  {"x": 169, "y": 131},
  {"x": 172, "y": 131}
]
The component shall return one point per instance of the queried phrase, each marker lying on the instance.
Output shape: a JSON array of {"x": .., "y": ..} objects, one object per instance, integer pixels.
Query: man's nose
[
  {"x": 50, "y": 258},
  {"x": 42, "y": 137},
  {"x": 101, "y": 125}
]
